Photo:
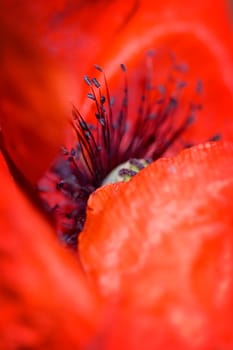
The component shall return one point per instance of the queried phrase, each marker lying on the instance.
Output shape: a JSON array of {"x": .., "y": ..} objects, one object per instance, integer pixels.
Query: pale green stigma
[{"x": 125, "y": 171}]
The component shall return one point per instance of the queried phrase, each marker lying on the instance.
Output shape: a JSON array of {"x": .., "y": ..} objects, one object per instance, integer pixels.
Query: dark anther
[
  {"x": 102, "y": 121},
  {"x": 73, "y": 152},
  {"x": 98, "y": 68},
  {"x": 173, "y": 102},
  {"x": 182, "y": 67},
  {"x": 123, "y": 68},
  {"x": 190, "y": 119},
  {"x": 87, "y": 135},
  {"x": 60, "y": 185},
  {"x": 102, "y": 99},
  {"x": 181, "y": 84},
  {"x": 91, "y": 96},
  {"x": 161, "y": 89},
  {"x": 83, "y": 125},
  {"x": 87, "y": 80},
  {"x": 215, "y": 137},
  {"x": 126, "y": 172},
  {"x": 96, "y": 83},
  {"x": 137, "y": 163}
]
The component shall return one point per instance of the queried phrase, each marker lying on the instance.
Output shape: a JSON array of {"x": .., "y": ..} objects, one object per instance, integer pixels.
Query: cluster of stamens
[{"x": 113, "y": 139}]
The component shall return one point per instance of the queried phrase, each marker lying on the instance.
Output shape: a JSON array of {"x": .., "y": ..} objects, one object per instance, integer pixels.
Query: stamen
[{"x": 115, "y": 147}]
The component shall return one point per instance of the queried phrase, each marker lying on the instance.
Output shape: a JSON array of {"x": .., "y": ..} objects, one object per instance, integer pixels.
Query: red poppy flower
[{"x": 154, "y": 263}]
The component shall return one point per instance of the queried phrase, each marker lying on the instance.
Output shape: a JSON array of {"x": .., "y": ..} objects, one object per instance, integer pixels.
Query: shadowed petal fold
[{"x": 45, "y": 301}]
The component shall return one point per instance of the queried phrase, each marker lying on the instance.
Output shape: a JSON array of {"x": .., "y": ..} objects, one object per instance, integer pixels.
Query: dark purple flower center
[{"x": 113, "y": 139}]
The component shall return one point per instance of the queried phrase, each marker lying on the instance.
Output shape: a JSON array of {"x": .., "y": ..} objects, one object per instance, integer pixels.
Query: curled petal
[
  {"x": 44, "y": 300},
  {"x": 164, "y": 251}
]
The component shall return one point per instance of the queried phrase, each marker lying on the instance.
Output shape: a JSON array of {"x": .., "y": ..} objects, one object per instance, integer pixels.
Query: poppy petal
[
  {"x": 45, "y": 302},
  {"x": 204, "y": 43},
  {"x": 33, "y": 110},
  {"x": 164, "y": 251}
]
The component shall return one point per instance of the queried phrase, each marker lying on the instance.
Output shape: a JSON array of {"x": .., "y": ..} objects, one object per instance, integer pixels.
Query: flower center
[{"x": 114, "y": 147}]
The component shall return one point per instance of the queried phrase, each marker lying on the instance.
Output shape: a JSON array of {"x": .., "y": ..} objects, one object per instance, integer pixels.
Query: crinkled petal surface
[
  {"x": 161, "y": 247},
  {"x": 45, "y": 301}
]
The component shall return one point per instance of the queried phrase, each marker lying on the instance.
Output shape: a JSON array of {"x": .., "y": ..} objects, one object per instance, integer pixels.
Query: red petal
[
  {"x": 45, "y": 302},
  {"x": 69, "y": 30},
  {"x": 164, "y": 246},
  {"x": 33, "y": 111},
  {"x": 202, "y": 41}
]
